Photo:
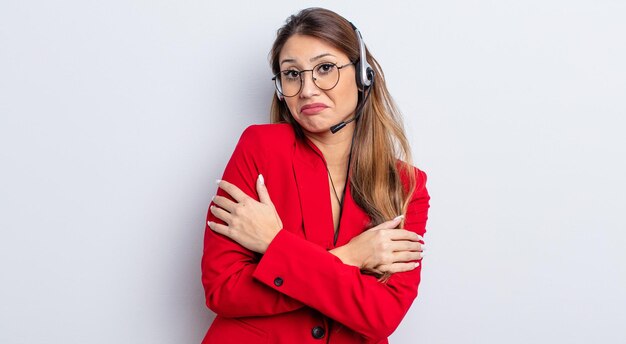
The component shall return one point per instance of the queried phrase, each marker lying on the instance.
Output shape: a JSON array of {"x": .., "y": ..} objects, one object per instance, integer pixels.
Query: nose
[{"x": 309, "y": 88}]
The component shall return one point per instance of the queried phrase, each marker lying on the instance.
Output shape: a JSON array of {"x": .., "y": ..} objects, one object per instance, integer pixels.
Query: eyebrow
[{"x": 311, "y": 59}]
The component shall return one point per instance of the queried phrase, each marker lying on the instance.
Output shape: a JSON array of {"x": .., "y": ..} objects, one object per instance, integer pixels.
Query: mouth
[{"x": 312, "y": 109}]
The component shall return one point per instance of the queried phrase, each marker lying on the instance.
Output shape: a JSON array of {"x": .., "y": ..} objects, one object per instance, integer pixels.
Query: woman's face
[{"x": 314, "y": 109}]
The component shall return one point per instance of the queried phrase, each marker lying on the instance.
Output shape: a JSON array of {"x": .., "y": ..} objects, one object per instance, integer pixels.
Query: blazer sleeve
[
  {"x": 227, "y": 267},
  {"x": 310, "y": 274}
]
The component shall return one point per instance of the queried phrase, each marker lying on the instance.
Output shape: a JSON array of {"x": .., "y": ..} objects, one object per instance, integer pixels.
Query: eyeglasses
[{"x": 325, "y": 76}]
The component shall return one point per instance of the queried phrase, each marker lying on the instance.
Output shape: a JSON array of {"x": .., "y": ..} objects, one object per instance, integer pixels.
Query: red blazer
[{"x": 298, "y": 292}]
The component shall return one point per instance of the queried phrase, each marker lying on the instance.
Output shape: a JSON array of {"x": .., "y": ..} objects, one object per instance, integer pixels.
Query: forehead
[{"x": 301, "y": 49}]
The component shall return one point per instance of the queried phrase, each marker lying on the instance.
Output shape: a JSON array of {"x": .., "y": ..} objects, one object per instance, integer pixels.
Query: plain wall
[{"x": 116, "y": 117}]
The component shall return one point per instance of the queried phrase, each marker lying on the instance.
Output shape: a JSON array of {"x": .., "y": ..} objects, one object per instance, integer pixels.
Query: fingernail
[
  {"x": 417, "y": 264},
  {"x": 422, "y": 254},
  {"x": 213, "y": 198},
  {"x": 217, "y": 181},
  {"x": 423, "y": 247},
  {"x": 261, "y": 179},
  {"x": 210, "y": 224},
  {"x": 398, "y": 217}
]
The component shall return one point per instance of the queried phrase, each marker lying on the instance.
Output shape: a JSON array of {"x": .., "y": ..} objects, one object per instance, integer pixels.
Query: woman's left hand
[{"x": 250, "y": 223}]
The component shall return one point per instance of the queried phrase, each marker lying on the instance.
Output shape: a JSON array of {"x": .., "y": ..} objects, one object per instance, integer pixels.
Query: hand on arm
[
  {"x": 250, "y": 223},
  {"x": 384, "y": 248}
]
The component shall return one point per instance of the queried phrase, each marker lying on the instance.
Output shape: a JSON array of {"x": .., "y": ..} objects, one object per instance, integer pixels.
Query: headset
[{"x": 364, "y": 80}]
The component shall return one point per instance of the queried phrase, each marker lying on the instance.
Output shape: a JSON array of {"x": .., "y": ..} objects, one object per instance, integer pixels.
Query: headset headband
[{"x": 364, "y": 72}]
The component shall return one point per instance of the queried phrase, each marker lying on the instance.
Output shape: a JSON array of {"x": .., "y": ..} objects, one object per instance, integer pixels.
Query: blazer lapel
[{"x": 312, "y": 182}]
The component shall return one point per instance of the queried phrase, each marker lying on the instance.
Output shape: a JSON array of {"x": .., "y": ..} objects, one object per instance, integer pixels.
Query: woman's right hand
[{"x": 383, "y": 248}]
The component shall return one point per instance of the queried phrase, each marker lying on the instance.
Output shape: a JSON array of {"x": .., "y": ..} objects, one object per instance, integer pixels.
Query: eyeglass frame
[{"x": 276, "y": 78}]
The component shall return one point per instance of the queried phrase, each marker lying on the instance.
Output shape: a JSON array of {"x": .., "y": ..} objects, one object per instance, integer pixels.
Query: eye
[
  {"x": 325, "y": 68},
  {"x": 290, "y": 75}
]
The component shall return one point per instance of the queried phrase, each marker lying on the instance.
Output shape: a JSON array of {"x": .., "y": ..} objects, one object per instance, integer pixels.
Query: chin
[
  {"x": 316, "y": 130},
  {"x": 317, "y": 127}
]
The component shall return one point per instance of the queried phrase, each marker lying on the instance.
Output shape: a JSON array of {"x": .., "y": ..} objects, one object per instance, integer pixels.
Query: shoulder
[
  {"x": 261, "y": 134},
  {"x": 407, "y": 170},
  {"x": 266, "y": 141}
]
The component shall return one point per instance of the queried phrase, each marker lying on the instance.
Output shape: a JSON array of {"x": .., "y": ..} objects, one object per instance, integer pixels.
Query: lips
[{"x": 312, "y": 109}]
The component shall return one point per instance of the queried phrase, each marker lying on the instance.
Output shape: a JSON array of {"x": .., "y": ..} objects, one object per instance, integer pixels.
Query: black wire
[{"x": 343, "y": 196}]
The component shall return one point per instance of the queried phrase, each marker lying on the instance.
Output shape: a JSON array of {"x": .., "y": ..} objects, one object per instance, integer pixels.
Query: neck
[{"x": 335, "y": 147}]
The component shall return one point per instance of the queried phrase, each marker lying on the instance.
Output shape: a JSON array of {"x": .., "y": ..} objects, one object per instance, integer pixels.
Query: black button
[
  {"x": 318, "y": 332},
  {"x": 278, "y": 281}
]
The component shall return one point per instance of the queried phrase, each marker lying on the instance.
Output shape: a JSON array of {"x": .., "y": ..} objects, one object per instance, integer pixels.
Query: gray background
[{"x": 117, "y": 116}]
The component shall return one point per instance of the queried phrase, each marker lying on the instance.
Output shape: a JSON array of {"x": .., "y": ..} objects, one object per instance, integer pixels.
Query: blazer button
[
  {"x": 318, "y": 332},
  {"x": 278, "y": 281}
]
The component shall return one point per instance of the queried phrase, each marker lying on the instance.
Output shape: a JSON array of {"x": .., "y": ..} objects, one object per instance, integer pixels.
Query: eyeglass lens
[{"x": 325, "y": 76}]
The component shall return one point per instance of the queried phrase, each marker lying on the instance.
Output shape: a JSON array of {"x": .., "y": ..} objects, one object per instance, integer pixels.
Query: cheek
[
  {"x": 349, "y": 95},
  {"x": 348, "y": 83},
  {"x": 292, "y": 105}
]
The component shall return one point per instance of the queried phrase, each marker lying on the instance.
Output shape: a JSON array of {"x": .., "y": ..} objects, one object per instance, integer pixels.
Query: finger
[
  {"x": 403, "y": 234},
  {"x": 264, "y": 196},
  {"x": 405, "y": 245},
  {"x": 398, "y": 267},
  {"x": 221, "y": 214},
  {"x": 232, "y": 190},
  {"x": 220, "y": 228},
  {"x": 406, "y": 256},
  {"x": 224, "y": 203}
]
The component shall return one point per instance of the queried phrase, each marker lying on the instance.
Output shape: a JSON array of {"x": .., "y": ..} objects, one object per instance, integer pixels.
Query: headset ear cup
[
  {"x": 280, "y": 96},
  {"x": 369, "y": 76},
  {"x": 364, "y": 81}
]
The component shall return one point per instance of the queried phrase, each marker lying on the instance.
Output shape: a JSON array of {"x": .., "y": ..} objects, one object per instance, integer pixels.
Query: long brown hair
[{"x": 381, "y": 152}]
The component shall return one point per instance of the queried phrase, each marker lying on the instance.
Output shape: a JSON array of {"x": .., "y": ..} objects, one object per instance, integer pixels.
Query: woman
[{"x": 299, "y": 245}]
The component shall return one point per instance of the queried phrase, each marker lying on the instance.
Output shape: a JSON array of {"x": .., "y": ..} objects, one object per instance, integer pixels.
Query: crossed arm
[
  {"x": 249, "y": 250},
  {"x": 254, "y": 224}
]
